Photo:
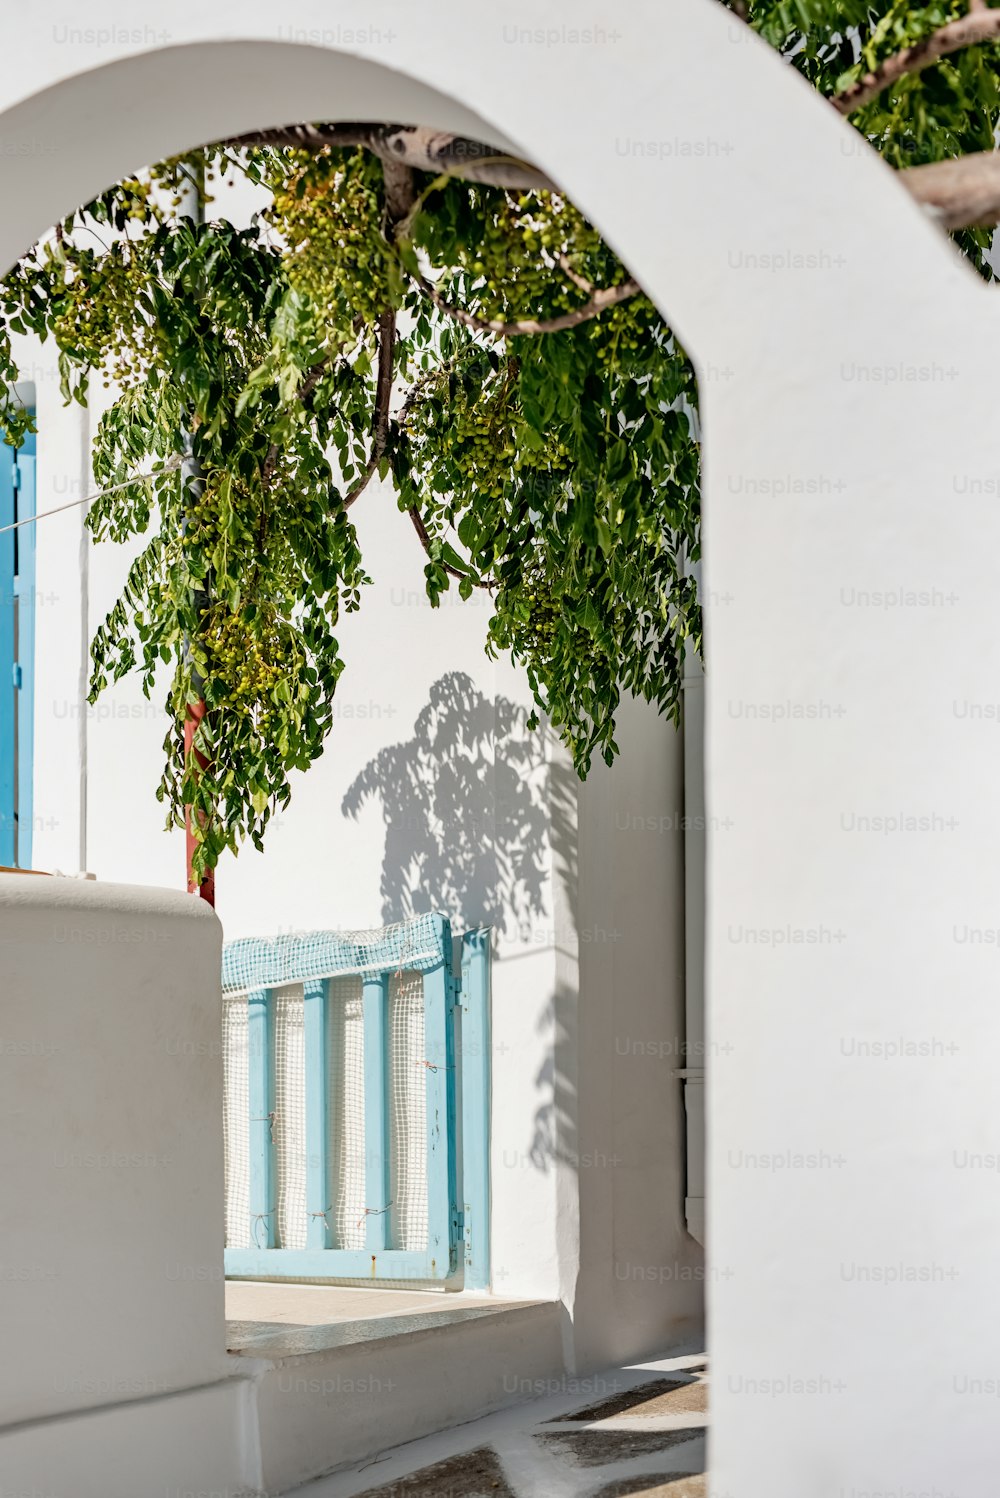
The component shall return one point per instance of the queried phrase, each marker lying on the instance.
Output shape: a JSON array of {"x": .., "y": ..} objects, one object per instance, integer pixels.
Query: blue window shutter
[
  {"x": 8, "y": 717},
  {"x": 17, "y": 653},
  {"x": 27, "y": 593}
]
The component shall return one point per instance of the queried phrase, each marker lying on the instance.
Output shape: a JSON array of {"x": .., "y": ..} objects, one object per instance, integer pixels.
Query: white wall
[
  {"x": 642, "y": 1275},
  {"x": 61, "y": 619},
  {"x": 110, "y": 1151},
  {"x": 787, "y": 260},
  {"x": 114, "y": 1381},
  {"x": 432, "y": 794}
]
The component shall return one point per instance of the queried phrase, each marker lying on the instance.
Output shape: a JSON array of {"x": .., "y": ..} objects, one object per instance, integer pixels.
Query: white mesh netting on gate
[
  {"x": 235, "y": 1120},
  {"x": 271, "y": 962},
  {"x": 407, "y": 1112},
  {"x": 345, "y": 1042},
  {"x": 406, "y": 951},
  {"x": 290, "y": 1115}
]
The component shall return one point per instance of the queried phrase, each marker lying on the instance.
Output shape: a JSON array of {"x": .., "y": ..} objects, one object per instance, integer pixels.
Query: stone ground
[{"x": 638, "y": 1431}]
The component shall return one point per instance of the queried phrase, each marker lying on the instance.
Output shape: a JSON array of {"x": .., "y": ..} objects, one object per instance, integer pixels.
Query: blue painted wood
[
  {"x": 375, "y": 1010},
  {"x": 475, "y": 1075},
  {"x": 263, "y": 1195},
  {"x": 26, "y": 591},
  {"x": 317, "y": 954},
  {"x": 332, "y": 1264},
  {"x": 439, "y": 1039},
  {"x": 319, "y": 1199},
  {"x": 7, "y": 716},
  {"x": 377, "y": 1260}
]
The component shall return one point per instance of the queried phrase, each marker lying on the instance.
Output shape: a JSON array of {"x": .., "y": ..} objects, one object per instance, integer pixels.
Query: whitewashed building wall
[{"x": 431, "y": 794}]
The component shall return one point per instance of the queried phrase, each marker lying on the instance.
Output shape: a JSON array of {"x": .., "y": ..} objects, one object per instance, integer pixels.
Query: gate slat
[
  {"x": 260, "y": 1062},
  {"x": 440, "y": 1042},
  {"x": 316, "y": 996},
  {"x": 476, "y": 1107},
  {"x": 375, "y": 1009}
]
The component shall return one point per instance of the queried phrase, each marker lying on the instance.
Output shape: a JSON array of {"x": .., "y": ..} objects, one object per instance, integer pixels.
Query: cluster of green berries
[{"x": 329, "y": 215}]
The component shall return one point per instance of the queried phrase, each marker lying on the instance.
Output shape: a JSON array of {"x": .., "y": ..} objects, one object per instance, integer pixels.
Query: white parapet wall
[{"x": 111, "y": 1286}]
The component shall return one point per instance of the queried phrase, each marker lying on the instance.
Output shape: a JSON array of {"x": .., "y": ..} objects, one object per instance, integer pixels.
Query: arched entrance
[{"x": 766, "y": 243}]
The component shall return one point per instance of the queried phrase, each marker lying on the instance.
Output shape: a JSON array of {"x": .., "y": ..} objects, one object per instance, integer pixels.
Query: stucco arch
[
  {"x": 671, "y": 126},
  {"x": 848, "y": 380}
]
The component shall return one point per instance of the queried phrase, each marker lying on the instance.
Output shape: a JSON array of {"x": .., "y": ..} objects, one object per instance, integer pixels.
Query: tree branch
[
  {"x": 383, "y": 382},
  {"x": 425, "y": 541},
  {"x": 400, "y": 194},
  {"x": 575, "y": 277},
  {"x": 380, "y": 414},
  {"x": 607, "y": 296},
  {"x": 417, "y": 147},
  {"x": 960, "y": 194},
  {"x": 980, "y": 25},
  {"x": 312, "y": 379},
  {"x": 362, "y": 483},
  {"x": 314, "y": 376},
  {"x": 305, "y": 390}
]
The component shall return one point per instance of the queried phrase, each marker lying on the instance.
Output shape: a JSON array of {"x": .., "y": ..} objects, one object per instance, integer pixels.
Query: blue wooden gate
[{"x": 456, "y": 1041}]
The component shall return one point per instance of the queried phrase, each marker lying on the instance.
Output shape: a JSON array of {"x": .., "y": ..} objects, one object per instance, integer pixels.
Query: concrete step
[{"x": 326, "y": 1397}]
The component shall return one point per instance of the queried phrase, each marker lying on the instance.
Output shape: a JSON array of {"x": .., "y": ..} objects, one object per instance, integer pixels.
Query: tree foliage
[
  {"x": 476, "y": 341},
  {"x": 927, "y": 113}
]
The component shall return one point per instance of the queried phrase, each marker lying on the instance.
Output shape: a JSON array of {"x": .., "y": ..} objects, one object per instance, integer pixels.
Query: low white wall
[
  {"x": 110, "y": 1150},
  {"x": 432, "y": 794},
  {"x": 336, "y": 1408},
  {"x": 196, "y": 1444}
]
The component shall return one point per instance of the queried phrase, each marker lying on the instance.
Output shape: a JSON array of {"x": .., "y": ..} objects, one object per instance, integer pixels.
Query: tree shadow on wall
[{"x": 464, "y": 803}]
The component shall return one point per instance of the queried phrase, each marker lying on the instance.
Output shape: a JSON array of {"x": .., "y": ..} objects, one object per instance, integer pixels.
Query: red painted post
[{"x": 206, "y": 886}]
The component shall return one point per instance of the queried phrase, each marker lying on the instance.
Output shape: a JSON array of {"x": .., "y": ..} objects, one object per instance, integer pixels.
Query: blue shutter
[
  {"x": 17, "y": 653},
  {"x": 8, "y": 717},
  {"x": 27, "y": 593}
]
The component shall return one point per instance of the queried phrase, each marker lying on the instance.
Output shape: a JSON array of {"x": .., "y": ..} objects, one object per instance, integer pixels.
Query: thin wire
[{"x": 170, "y": 466}]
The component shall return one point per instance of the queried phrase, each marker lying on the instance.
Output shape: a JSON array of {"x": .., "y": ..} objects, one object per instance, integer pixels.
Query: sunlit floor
[
  {"x": 639, "y": 1431},
  {"x": 279, "y": 1319}
]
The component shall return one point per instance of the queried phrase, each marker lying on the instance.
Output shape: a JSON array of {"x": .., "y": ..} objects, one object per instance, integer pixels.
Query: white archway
[{"x": 848, "y": 385}]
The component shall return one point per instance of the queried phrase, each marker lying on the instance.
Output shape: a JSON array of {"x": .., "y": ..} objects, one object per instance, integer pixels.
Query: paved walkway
[{"x": 637, "y": 1431}]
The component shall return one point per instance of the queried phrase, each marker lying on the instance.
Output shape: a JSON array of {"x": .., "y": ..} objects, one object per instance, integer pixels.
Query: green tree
[{"x": 414, "y": 304}]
